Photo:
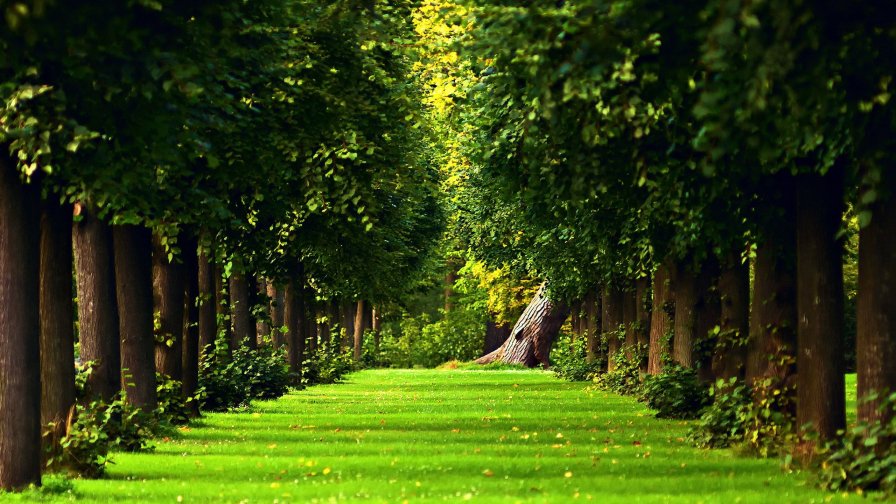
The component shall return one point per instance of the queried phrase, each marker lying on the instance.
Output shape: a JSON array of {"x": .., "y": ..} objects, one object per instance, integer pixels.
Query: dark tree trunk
[
  {"x": 576, "y": 321},
  {"x": 133, "y": 282},
  {"x": 495, "y": 334},
  {"x": 662, "y": 319},
  {"x": 611, "y": 302},
  {"x": 222, "y": 310},
  {"x": 630, "y": 319},
  {"x": 263, "y": 325},
  {"x": 97, "y": 306},
  {"x": 348, "y": 324},
  {"x": 20, "y": 395},
  {"x": 730, "y": 354},
  {"x": 592, "y": 325},
  {"x": 685, "y": 322},
  {"x": 326, "y": 328},
  {"x": 533, "y": 335},
  {"x": 295, "y": 321},
  {"x": 311, "y": 320},
  {"x": 820, "y": 389},
  {"x": 360, "y": 327},
  {"x": 169, "y": 284},
  {"x": 208, "y": 326},
  {"x": 57, "y": 318},
  {"x": 876, "y": 318},
  {"x": 190, "y": 363},
  {"x": 771, "y": 351},
  {"x": 708, "y": 311},
  {"x": 277, "y": 308},
  {"x": 241, "y": 328}
]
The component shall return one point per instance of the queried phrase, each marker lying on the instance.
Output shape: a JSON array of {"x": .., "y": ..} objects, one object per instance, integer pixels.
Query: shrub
[
  {"x": 863, "y": 458},
  {"x": 328, "y": 364},
  {"x": 569, "y": 360},
  {"x": 173, "y": 407},
  {"x": 95, "y": 429},
  {"x": 625, "y": 379},
  {"x": 757, "y": 419},
  {"x": 676, "y": 393},
  {"x": 221, "y": 386},
  {"x": 264, "y": 371}
]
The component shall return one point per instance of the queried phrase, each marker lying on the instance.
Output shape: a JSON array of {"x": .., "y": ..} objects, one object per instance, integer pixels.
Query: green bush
[
  {"x": 676, "y": 393},
  {"x": 264, "y": 371},
  {"x": 459, "y": 335},
  {"x": 173, "y": 407},
  {"x": 329, "y": 363},
  {"x": 95, "y": 429},
  {"x": 625, "y": 379},
  {"x": 569, "y": 360},
  {"x": 863, "y": 458},
  {"x": 221, "y": 385},
  {"x": 757, "y": 419}
]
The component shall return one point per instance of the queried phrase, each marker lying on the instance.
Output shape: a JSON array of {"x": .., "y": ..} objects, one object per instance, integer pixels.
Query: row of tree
[
  {"x": 645, "y": 157},
  {"x": 184, "y": 150}
]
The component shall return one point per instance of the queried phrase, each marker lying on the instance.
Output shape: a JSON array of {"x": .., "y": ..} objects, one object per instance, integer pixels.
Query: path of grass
[{"x": 423, "y": 435}]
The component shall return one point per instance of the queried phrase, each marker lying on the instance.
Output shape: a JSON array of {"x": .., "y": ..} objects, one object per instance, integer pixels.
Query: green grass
[{"x": 440, "y": 435}]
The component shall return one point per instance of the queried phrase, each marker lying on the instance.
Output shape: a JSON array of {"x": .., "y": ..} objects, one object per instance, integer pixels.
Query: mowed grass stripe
[{"x": 443, "y": 436}]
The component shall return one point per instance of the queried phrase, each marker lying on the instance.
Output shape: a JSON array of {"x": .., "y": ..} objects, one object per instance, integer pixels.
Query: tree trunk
[
  {"x": 495, "y": 334},
  {"x": 295, "y": 321},
  {"x": 876, "y": 318},
  {"x": 241, "y": 328},
  {"x": 222, "y": 310},
  {"x": 97, "y": 306},
  {"x": 262, "y": 325},
  {"x": 20, "y": 395},
  {"x": 708, "y": 316},
  {"x": 311, "y": 319},
  {"x": 208, "y": 326},
  {"x": 169, "y": 285},
  {"x": 730, "y": 354},
  {"x": 326, "y": 328},
  {"x": 630, "y": 319},
  {"x": 348, "y": 324},
  {"x": 592, "y": 325},
  {"x": 611, "y": 302},
  {"x": 642, "y": 308},
  {"x": 133, "y": 282},
  {"x": 661, "y": 319},
  {"x": 277, "y": 306},
  {"x": 771, "y": 351},
  {"x": 375, "y": 327},
  {"x": 57, "y": 318},
  {"x": 820, "y": 390},
  {"x": 533, "y": 335},
  {"x": 190, "y": 363},
  {"x": 685, "y": 322},
  {"x": 360, "y": 327}
]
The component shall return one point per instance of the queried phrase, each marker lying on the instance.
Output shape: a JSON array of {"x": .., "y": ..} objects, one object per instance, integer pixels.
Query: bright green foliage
[
  {"x": 328, "y": 364},
  {"x": 172, "y": 408},
  {"x": 625, "y": 378},
  {"x": 569, "y": 362},
  {"x": 863, "y": 459},
  {"x": 226, "y": 383},
  {"x": 499, "y": 436},
  {"x": 675, "y": 393}
]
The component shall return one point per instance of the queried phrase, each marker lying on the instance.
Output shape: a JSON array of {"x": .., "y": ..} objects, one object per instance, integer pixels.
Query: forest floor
[{"x": 431, "y": 435}]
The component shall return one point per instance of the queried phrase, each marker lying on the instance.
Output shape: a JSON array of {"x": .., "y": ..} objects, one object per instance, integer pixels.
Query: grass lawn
[{"x": 431, "y": 435}]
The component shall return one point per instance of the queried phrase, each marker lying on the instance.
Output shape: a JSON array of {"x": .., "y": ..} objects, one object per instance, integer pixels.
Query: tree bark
[
  {"x": 348, "y": 324},
  {"x": 642, "y": 317},
  {"x": 360, "y": 327},
  {"x": 376, "y": 328},
  {"x": 20, "y": 393},
  {"x": 277, "y": 307},
  {"x": 685, "y": 323},
  {"x": 730, "y": 354},
  {"x": 611, "y": 302},
  {"x": 262, "y": 325},
  {"x": 222, "y": 310},
  {"x": 771, "y": 351},
  {"x": 592, "y": 325},
  {"x": 820, "y": 389},
  {"x": 495, "y": 334},
  {"x": 133, "y": 282},
  {"x": 57, "y": 318},
  {"x": 630, "y": 319},
  {"x": 662, "y": 318},
  {"x": 533, "y": 334},
  {"x": 311, "y": 320},
  {"x": 97, "y": 306},
  {"x": 241, "y": 328},
  {"x": 295, "y": 321},
  {"x": 169, "y": 285},
  {"x": 876, "y": 317},
  {"x": 190, "y": 363},
  {"x": 708, "y": 315},
  {"x": 208, "y": 326}
]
